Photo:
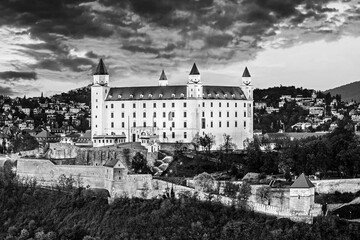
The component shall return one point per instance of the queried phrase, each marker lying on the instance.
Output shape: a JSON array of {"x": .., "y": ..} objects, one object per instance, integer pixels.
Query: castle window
[
  {"x": 131, "y": 96},
  {"x": 235, "y": 104},
  {"x": 173, "y": 124},
  {"x": 112, "y": 124},
  {"x": 122, "y": 115},
  {"x": 185, "y": 135},
  {"x": 244, "y": 123},
  {"x": 96, "y": 100},
  {"x": 233, "y": 96},
  {"x": 220, "y": 114},
  {"x": 235, "y": 123},
  {"x": 106, "y": 106},
  {"x": 211, "y": 124},
  {"x": 164, "y": 105},
  {"x": 173, "y": 95},
  {"x": 164, "y": 134},
  {"x": 173, "y": 135},
  {"x": 134, "y": 114},
  {"x": 227, "y": 104},
  {"x": 122, "y": 105},
  {"x": 134, "y": 124},
  {"x": 211, "y": 104},
  {"x": 244, "y": 114},
  {"x": 134, "y": 105},
  {"x": 299, "y": 197},
  {"x": 184, "y": 104},
  {"x": 105, "y": 90},
  {"x": 141, "y": 96},
  {"x": 110, "y": 96},
  {"x": 225, "y": 96},
  {"x": 235, "y": 114},
  {"x": 203, "y": 114},
  {"x": 203, "y": 104},
  {"x": 95, "y": 125},
  {"x": 95, "y": 116},
  {"x": 119, "y": 96},
  {"x": 150, "y": 95},
  {"x": 217, "y": 95},
  {"x": 228, "y": 114},
  {"x": 227, "y": 124},
  {"x": 209, "y": 95},
  {"x": 122, "y": 124},
  {"x": 144, "y": 124},
  {"x": 182, "y": 95},
  {"x": 211, "y": 114},
  {"x": 164, "y": 114},
  {"x": 154, "y": 105},
  {"x": 184, "y": 114},
  {"x": 112, "y": 115},
  {"x": 244, "y": 104},
  {"x": 164, "y": 124},
  {"x": 219, "y": 104},
  {"x": 219, "y": 123},
  {"x": 160, "y": 95},
  {"x": 172, "y": 104},
  {"x": 144, "y": 105},
  {"x": 173, "y": 114},
  {"x": 185, "y": 124},
  {"x": 154, "y": 115},
  {"x": 144, "y": 114}
]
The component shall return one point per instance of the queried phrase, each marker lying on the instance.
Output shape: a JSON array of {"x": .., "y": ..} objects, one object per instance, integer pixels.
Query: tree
[
  {"x": 263, "y": 194},
  {"x": 244, "y": 193},
  {"x": 139, "y": 163},
  {"x": 204, "y": 181},
  {"x": 24, "y": 142},
  {"x": 207, "y": 142},
  {"x": 196, "y": 142}
]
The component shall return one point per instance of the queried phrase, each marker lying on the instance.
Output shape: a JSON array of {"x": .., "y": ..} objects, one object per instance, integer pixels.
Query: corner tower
[
  {"x": 246, "y": 85},
  {"x": 194, "y": 86},
  {"x": 99, "y": 91},
  {"x": 302, "y": 195}
]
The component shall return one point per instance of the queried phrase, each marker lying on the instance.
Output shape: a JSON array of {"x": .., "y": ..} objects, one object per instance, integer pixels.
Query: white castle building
[{"x": 169, "y": 113}]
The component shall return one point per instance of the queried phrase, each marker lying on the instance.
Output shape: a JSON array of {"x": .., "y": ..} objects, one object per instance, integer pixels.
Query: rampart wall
[
  {"x": 48, "y": 173},
  {"x": 341, "y": 185}
]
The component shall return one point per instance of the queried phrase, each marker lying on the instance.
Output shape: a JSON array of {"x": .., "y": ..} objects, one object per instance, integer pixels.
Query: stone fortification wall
[
  {"x": 61, "y": 151},
  {"x": 134, "y": 185},
  {"x": 48, "y": 174},
  {"x": 340, "y": 185}
]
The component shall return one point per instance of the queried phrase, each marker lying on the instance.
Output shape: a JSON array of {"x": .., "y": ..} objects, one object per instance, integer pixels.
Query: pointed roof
[
  {"x": 163, "y": 76},
  {"x": 302, "y": 182},
  {"x": 194, "y": 70},
  {"x": 246, "y": 73},
  {"x": 101, "y": 69}
]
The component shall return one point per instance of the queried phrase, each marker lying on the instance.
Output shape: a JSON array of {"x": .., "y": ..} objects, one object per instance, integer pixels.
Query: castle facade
[{"x": 170, "y": 113}]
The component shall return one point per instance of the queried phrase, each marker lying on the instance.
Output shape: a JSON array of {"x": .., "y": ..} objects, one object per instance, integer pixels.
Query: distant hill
[{"x": 348, "y": 92}]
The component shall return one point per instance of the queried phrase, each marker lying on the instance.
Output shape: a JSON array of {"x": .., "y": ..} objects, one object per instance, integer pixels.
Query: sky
[{"x": 53, "y": 46}]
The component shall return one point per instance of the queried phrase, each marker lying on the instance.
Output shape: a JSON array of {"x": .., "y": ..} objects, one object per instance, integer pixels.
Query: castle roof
[
  {"x": 163, "y": 76},
  {"x": 302, "y": 182},
  {"x": 172, "y": 92},
  {"x": 246, "y": 73},
  {"x": 194, "y": 70},
  {"x": 101, "y": 69}
]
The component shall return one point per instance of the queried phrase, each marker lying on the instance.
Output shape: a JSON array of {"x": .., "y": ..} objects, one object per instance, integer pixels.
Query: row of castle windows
[
  {"x": 173, "y": 135},
  {"x": 172, "y": 105},
  {"x": 185, "y": 124},
  {"x": 172, "y": 114}
]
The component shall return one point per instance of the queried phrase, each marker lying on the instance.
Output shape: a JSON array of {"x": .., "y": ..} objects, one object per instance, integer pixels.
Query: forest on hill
[
  {"x": 29, "y": 212},
  {"x": 348, "y": 92}
]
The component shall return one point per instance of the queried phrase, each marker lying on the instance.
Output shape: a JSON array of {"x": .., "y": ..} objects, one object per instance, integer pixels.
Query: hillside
[{"x": 348, "y": 92}]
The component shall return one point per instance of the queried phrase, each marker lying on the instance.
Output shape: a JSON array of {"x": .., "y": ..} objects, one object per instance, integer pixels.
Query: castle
[{"x": 170, "y": 113}]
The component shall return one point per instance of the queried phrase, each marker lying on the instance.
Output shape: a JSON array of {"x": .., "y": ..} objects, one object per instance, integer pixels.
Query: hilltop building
[{"x": 169, "y": 113}]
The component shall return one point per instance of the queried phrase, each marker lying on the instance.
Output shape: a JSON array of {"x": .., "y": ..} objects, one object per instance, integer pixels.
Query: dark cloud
[
  {"x": 7, "y": 91},
  {"x": 15, "y": 76},
  {"x": 91, "y": 54}
]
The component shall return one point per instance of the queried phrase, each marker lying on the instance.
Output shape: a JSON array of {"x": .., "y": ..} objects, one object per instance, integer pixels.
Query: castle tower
[
  {"x": 302, "y": 195},
  {"x": 194, "y": 86},
  {"x": 246, "y": 84},
  {"x": 99, "y": 91},
  {"x": 163, "y": 79}
]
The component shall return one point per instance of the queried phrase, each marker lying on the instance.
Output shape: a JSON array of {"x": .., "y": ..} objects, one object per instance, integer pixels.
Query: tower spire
[
  {"x": 101, "y": 69},
  {"x": 163, "y": 79},
  {"x": 246, "y": 73},
  {"x": 163, "y": 76},
  {"x": 194, "y": 70}
]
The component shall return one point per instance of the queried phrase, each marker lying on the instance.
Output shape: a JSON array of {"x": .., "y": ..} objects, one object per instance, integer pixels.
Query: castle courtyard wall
[{"x": 340, "y": 185}]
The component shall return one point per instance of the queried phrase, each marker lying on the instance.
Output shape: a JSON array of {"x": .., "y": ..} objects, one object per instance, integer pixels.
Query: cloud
[
  {"x": 7, "y": 91},
  {"x": 15, "y": 76}
]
